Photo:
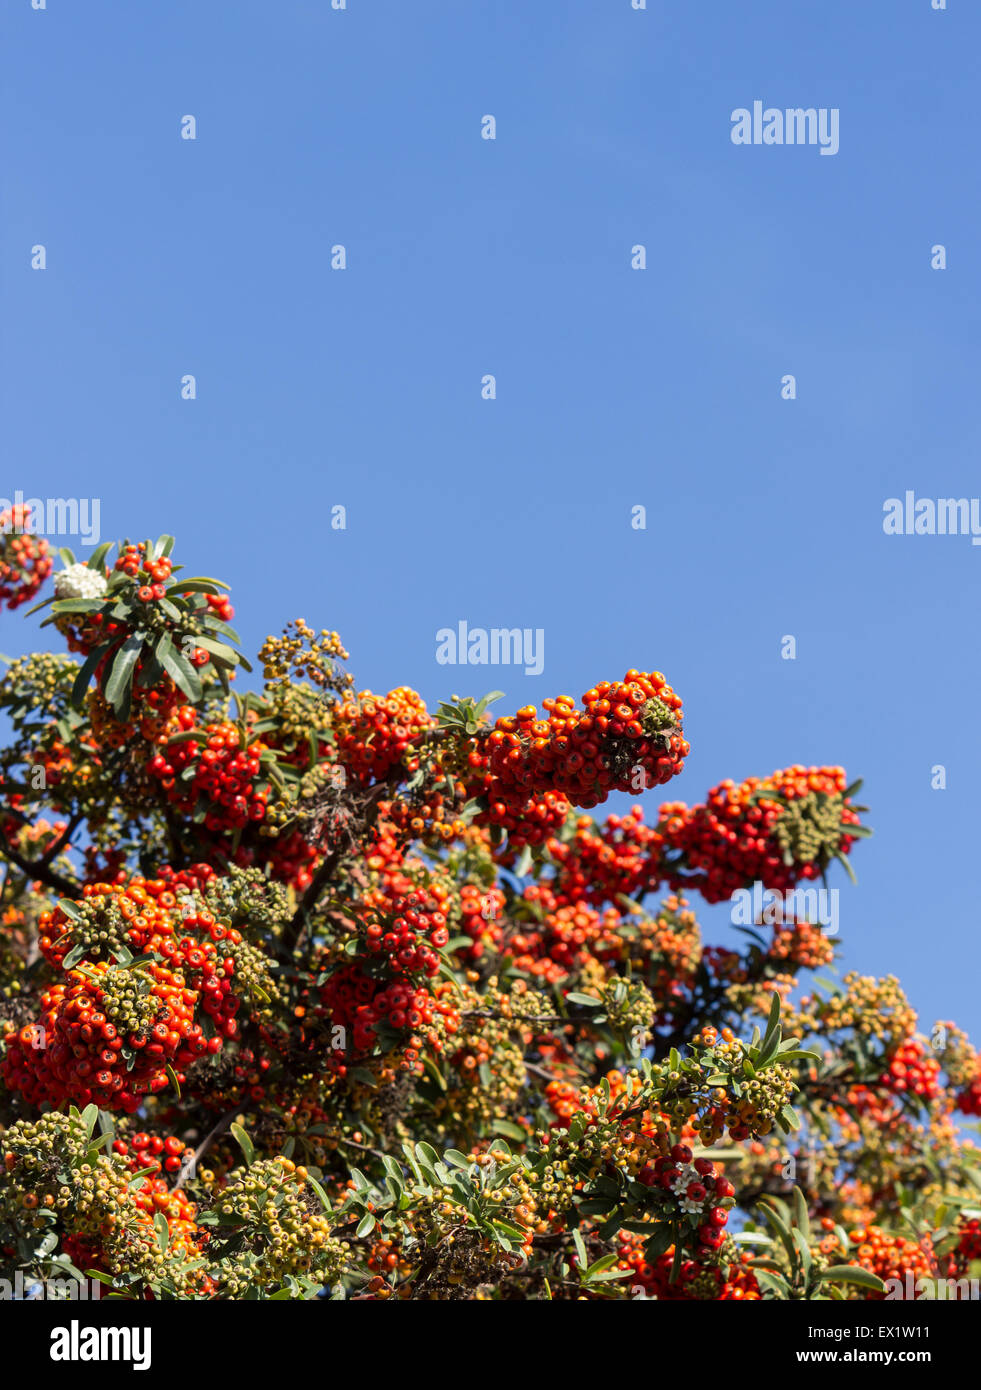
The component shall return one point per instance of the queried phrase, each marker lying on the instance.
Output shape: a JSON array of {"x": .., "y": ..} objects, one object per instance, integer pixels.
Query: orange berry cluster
[
  {"x": 802, "y": 945},
  {"x": 628, "y": 737},
  {"x": 695, "y": 1279},
  {"x": 891, "y": 1257},
  {"x": 25, "y": 559},
  {"x": 374, "y": 731},
  {"x": 103, "y": 1039},
  {"x": 598, "y": 864},
  {"x": 110, "y": 1033},
  {"x": 564, "y": 939}
]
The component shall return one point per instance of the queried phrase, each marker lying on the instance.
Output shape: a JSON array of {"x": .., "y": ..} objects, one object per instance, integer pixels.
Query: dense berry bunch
[
  {"x": 110, "y": 1035},
  {"x": 892, "y": 1256},
  {"x": 25, "y": 559},
  {"x": 775, "y": 831},
  {"x": 601, "y": 865},
  {"x": 371, "y": 1010},
  {"x": 373, "y": 732},
  {"x": 910, "y": 1068},
  {"x": 705, "y": 1275},
  {"x": 55, "y": 1180},
  {"x": 384, "y": 943},
  {"x": 627, "y": 738},
  {"x": 221, "y": 773},
  {"x": 409, "y": 934}
]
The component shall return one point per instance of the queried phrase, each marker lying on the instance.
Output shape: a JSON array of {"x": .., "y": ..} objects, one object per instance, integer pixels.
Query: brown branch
[
  {"x": 41, "y": 872},
  {"x": 297, "y": 925},
  {"x": 189, "y": 1169}
]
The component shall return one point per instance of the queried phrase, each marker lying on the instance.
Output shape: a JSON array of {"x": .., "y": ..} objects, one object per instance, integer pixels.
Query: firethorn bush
[{"x": 308, "y": 991}]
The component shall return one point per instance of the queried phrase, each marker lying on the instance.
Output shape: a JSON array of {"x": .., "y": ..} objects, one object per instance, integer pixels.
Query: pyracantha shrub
[{"x": 307, "y": 991}]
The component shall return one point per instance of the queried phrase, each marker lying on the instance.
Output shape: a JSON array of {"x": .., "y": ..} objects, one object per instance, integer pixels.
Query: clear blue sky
[{"x": 615, "y": 387}]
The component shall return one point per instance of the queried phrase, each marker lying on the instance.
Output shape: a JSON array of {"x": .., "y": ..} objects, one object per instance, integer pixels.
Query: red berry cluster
[
  {"x": 752, "y": 831},
  {"x": 374, "y": 731},
  {"x": 698, "y": 1187},
  {"x": 908, "y": 1068},
  {"x": 221, "y": 606},
  {"x": 25, "y": 561},
  {"x": 692, "y": 1281},
  {"x": 415, "y": 926},
  {"x": 131, "y": 561},
  {"x": 148, "y": 1151},
  {"x": 366, "y": 1005},
  {"x": 628, "y": 733},
  {"x": 967, "y": 1249},
  {"x": 969, "y": 1097},
  {"x": 598, "y": 864},
  {"x": 479, "y": 914},
  {"x": 225, "y": 776},
  {"x": 102, "y": 1039}
]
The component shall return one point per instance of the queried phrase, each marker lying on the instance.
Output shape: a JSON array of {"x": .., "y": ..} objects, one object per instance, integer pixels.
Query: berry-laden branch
[{"x": 447, "y": 1030}]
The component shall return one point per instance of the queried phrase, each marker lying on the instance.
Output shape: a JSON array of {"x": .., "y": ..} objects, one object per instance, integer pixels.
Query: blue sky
[{"x": 615, "y": 387}]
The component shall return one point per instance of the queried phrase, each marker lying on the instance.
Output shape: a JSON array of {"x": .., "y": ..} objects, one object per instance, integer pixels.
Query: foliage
[{"x": 306, "y": 991}]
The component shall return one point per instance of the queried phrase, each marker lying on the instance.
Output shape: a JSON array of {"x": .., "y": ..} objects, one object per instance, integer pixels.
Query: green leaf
[
  {"x": 774, "y": 1282},
  {"x": 843, "y": 858},
  {"x": 800, "y": 1214},
  {"x": 244, "y": 1143},
  {"x": 163, "y": 1232},
  {"x": 180, "y": 670},
  {"x": 119, "y": 684},
  {"x": 851, "y": 1274},
  {"x": 221, "y": 651},
  {"x": 509, "y": 1130},
  {"x": 774, "y": 1017},
  {"x": 321, "y": 1194},
  {"x": 781, "y": 1228},
  {"x": 76, "y": 605},
  {"x": 86, "y": 672},
  {"x": 97, "y": 559}
]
